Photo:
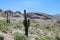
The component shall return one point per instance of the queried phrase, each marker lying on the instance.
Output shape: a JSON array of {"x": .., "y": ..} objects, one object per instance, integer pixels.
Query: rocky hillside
[
  {"x": 36, "y": 31},
  {"x": 42, "y": 26}
]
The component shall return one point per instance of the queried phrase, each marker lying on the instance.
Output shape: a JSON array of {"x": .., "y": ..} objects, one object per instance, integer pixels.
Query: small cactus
[{"x": 26, "y": 23}]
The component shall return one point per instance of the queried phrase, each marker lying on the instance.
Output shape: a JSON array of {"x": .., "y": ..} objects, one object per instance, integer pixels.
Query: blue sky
[{"x": 46, "y": 6}]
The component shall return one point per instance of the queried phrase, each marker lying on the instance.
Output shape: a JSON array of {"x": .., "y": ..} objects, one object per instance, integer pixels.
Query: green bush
[
  {"x": 4, "y": 26},
  {"x": 20, "y": 37},
  {"x": 4, "y": 29},
  {"x": 45, "y": 38},
  {"x": 1, "y": 37},
  {"x": 4, "y": 23},
  {"x": 57, "y": 37},
  {"x": 17, "y": 25},
  {"x": 41, "y": 38}
]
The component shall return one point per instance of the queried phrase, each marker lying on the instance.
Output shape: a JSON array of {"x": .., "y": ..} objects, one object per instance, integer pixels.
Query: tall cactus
[
  {"x": 8, "y": 20},
  {"x": 26, "y": 23}
]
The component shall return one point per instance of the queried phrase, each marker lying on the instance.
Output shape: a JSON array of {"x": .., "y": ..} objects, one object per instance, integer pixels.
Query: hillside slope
[{"x": 35, "y": 29}]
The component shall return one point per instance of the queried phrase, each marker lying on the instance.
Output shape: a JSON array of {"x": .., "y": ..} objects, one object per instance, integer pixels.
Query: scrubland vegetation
[{"x": 37, "y": 32}]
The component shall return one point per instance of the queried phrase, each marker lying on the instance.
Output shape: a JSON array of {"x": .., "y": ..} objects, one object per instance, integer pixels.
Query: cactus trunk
[
  {"x": 8, "y": 20},
  {"x": 7, "y": 17}
]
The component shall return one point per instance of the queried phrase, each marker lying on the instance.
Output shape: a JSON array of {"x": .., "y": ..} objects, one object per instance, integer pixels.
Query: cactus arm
[{"x": 28, "y": 24}]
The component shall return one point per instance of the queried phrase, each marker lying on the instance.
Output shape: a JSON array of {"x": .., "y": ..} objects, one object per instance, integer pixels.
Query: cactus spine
[{"x": 26, "y": 23}]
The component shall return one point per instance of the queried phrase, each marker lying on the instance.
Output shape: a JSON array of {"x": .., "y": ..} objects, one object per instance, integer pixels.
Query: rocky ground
[{"x": 35, "y": 30}]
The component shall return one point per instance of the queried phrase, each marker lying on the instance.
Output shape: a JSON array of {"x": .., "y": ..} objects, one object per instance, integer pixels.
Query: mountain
[
  {"x": 17, "y": 14},
  {"x": 57, "y": 16},
  {"x": 32, "y": 15},
  {"x": 10, "y": 13},
  {"x": 38, "y": 15}
]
